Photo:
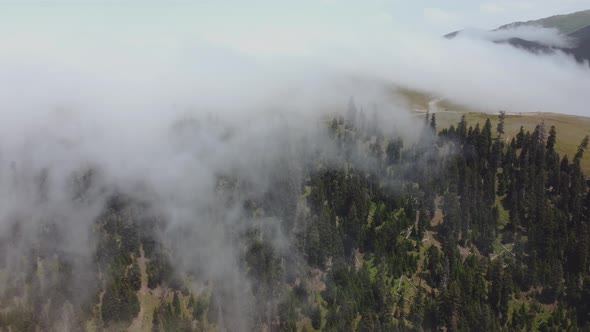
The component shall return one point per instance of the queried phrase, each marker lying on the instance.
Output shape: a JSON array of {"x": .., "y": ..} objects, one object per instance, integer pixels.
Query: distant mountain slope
[
  {"x": 528, "y": 45},
  {"x": 575, "y": 25},
  {"x": 582, "y": 50},
  {"x": 566, "y": 24}
]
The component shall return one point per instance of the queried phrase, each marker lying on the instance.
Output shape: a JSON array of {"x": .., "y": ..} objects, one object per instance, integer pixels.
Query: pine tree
[
  {"x": 462, "y": 128},
  {"x": 500, "y": 127},
  {"x": 351, "y": 114},
  {"x": 520, "y": 138},
  {"x": 156, "y": 324},
  {"x": 316, "y": 318},
  {"x": 433, "y": 123},
  {"x": 176, "y": 304}
]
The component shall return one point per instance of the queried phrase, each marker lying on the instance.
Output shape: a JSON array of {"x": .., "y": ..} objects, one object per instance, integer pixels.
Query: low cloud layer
[
  {"x": 545, "y": 36},
  {"x": 161, "y": 116}
]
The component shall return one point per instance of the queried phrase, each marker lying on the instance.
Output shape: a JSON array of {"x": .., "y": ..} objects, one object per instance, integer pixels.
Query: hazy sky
[
  {"x": 317, "y": 15},
  {"x": 69, "y": 44},
  {"x": 259, "y": 25}
]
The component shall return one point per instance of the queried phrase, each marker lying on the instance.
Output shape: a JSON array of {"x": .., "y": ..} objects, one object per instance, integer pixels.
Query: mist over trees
[
  {"x": 355, "y": 228},
  {"x": 201, "y": 167}
]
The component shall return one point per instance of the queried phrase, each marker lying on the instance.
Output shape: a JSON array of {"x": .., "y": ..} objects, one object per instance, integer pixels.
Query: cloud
[
  {"x": 163, "y": 112},
  {"x": 546, "y": 36}
]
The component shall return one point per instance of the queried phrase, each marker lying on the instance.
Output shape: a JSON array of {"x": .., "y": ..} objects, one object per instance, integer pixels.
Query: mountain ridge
[
  {"x": 565, "y": 23},
  {"x": 575, "y": 26}
]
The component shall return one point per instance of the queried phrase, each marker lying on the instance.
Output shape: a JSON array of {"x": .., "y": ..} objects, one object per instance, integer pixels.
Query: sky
[
  {"x": 439, "y": 16},
  {"x": 262, "y": 25},
  {"x": 434, "y": 16},
  {"x": 221, "y": 47}
]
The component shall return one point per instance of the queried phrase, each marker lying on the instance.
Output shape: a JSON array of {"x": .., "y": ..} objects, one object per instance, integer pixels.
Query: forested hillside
[{"x": 457, "y": 230}]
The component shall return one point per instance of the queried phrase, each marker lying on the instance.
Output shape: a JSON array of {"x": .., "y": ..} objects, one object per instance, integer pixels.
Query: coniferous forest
[{"x": 463, "y": 229}]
